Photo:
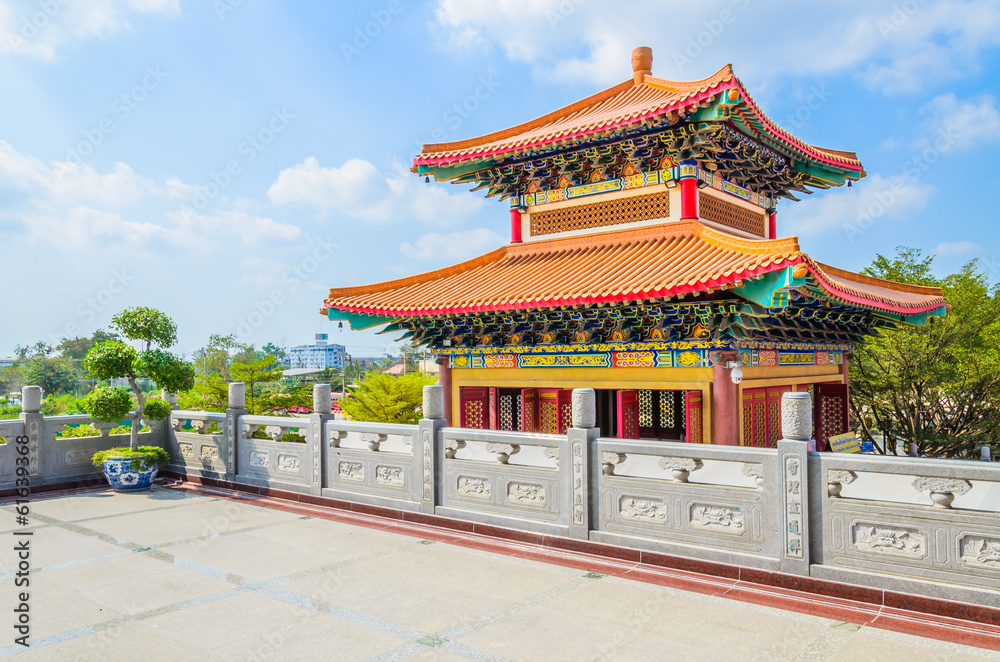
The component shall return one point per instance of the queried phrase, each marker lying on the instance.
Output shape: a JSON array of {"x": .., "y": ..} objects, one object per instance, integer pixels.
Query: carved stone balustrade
[
  {"x": 836, "y": 479},
  {"x": 609, "y": 460},
  {"x": 373, "y": 440},
  {"x": 942, "y": 490},
  {"x": 756, "y": 471},
  {"x": 680, "y": 468},
  {"x": 503, "y": 451},
  {"x": 451, "y": 447}
]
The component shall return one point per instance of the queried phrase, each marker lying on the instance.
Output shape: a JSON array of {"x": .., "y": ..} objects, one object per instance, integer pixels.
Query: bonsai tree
[{"x": 113, "y": 359}]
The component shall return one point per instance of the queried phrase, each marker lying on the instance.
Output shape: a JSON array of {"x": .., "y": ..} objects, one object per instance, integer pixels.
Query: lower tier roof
[{"x": 652, "y": 263}]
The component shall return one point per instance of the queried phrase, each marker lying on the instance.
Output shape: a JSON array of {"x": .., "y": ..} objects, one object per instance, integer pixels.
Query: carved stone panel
[
  {"x": 187, "y": 450},
  {"x": 210, "y": 453},
  {"x": 428, "y": 467},
  {"x": 889, "y": 540},
  {"x": 642, "y": 509},
  {"x": 389, "y": 476},
  {"x": 980, "y": 552},
  {"x": 720, "y": 519},
  {"x": 526, "y": 494},
  {"x": 259, "y": 459},
  {"x": 354, "y": 471},
  {"x": 289, "y": 463},
  {"x": 474, "y": 486}
]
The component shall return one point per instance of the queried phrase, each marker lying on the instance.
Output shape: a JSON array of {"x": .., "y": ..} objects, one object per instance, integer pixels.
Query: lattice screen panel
[
  {"x": 731, "y": 215},
  {"x": 548, "y": 417},
  {"x": 565, "y": 416},
  {"x": 601, "y": 214},
  {"x": 668, "y": 411},
  {"x": 475, "y": 415},
  {"x": 645, "y": 402},
  {"x": 507, "y": 421}
]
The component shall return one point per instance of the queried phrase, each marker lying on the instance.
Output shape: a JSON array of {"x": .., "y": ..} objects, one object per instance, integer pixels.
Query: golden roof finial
[{"x": 642, "y": 63}]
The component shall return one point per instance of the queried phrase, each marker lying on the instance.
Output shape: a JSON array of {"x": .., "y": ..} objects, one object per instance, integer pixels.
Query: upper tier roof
[
  {"x": 656, "y": 262},
  {"x": 632, "y": 103}
]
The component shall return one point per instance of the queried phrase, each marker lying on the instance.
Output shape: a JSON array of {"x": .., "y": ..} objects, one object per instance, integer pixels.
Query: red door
[
  {"x": 474, "y": 402},
  {"x": 648, "y": 402},
  {"x": 671, "y": 415},
  {"x": 693, "y": 417},
  {"x": 565, "y": 410},
  {"x": 528, "y": 414},
  {"x": 755, "y": 417},
  {"x": 494, "y": 409},
  {"x": 830, "y": 412},
  {"x": 628, "y": 415}
]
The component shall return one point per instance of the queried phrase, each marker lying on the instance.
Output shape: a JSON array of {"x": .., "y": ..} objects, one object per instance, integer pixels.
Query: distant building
[
  {"x": 6, "y": 363},
  {"x": 321, "y": 355}
]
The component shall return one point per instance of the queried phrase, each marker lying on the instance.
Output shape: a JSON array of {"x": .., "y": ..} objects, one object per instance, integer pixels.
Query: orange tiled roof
[
  {"x": 623, "y": 104},
  {"x": 655, "y": 262}
]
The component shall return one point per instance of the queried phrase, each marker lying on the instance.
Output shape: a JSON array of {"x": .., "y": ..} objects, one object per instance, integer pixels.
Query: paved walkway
[{"x": 172, "y": 575}]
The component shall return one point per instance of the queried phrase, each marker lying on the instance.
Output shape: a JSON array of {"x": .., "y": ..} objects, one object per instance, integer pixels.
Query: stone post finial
[
  {"x": 237, "y": 395},
  {"x": 584, "y": 408},
  {"x": 31, "y": 399},
  {"x": 169, "y": 398},
  {"x": 433, "y": 401},
  {"x": 321, "y": 398},
  {"x": 796, "y": 416}
]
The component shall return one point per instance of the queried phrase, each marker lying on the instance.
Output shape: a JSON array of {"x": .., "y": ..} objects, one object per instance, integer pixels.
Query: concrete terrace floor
[{"x": 178, "y": 575}]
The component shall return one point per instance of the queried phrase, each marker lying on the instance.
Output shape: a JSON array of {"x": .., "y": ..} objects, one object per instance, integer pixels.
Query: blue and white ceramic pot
[{"x": 123, "y": 478}]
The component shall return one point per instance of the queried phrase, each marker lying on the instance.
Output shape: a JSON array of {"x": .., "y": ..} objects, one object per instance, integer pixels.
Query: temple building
[{"x": 644, "y": 262}]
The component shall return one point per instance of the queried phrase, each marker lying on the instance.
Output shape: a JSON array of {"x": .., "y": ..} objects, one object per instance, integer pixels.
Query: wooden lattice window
[
  {"x": 692, "y": 414},
  {"x": 645, "y": 399},
  {"x": 732, "y": 215},
  {"x": 632, "y": 209}
]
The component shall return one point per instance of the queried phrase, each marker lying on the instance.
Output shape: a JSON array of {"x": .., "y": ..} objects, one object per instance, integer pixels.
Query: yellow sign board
[{"x": 845, "y": 443}]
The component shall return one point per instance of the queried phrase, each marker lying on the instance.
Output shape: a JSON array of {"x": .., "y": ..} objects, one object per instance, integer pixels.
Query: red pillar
[
  {"x": 689, "y": 198},
  {"x": 772, "y": 224},
  {"x": 725, "y": 403},
  {"x": 844, "y": 370},
  {"x": 515, "y": 226},
  {"x": 444, "y": 379}
]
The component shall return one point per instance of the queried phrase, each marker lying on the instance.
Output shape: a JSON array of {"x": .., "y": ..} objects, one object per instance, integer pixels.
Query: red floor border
[{"x": 956, "y": 622}]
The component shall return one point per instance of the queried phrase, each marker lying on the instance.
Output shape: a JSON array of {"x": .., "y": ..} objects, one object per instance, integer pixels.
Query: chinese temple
[{"x": 644, "y": 262}]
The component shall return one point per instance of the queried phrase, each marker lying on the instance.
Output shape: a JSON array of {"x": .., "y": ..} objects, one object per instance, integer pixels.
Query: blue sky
[{"x": 228, "y": 161}]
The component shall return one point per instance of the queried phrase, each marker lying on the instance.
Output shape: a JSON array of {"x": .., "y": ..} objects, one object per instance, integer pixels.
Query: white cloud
[
  {"x": 70, "y": 183},
  {"x": 957, "y": 125},
  {"x": 454, "y": 247},
  {"x": 210, "y": 230},
  {"x": 358, "y": 189},
  {"x": 42, "y": 29},
  {"x": 578, "y": 41},
  {"x": 955, "y": 248},
  {"x": 83, "y": 228},
  {"x": 856, "y": 209}
]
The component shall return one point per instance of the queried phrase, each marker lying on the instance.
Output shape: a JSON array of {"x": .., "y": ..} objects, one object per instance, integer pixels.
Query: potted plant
[{"x": 135, "y": 467}]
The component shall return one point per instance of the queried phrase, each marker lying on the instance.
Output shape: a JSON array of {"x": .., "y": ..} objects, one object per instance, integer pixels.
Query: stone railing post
[
  {"x": 31, "y": 408},
  {"x": 793, "y": 463},
  {"x": 236, "y": 409},
  {"x": 429, "y": 440},
  {"x": 316, "y": 439},
  {"x": 165, "y": 427},
  {"x": 581, "y": 438}
]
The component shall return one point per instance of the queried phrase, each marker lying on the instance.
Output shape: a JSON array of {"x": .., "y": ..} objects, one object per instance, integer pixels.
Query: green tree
[
  {"x": 54, "y": 374},
  {"x": 113, "y": 359},
  {"x": 387, "y": 399},
  {"x": 936, "y": 385},
  {"x": 254, "y": 372}
]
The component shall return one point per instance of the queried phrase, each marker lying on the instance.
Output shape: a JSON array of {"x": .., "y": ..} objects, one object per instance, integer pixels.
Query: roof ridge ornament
[{"x": 642, "y": 64}]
